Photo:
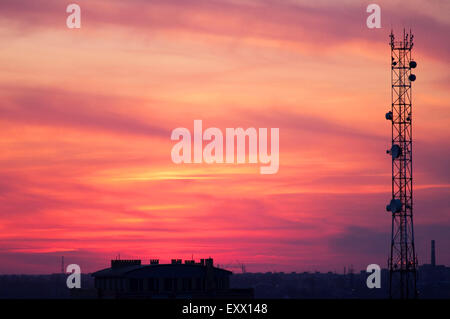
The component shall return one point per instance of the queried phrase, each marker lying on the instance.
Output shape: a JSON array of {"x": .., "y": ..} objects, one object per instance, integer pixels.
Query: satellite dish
[
  {"x": 412, "y": 77},
  {"x": 413, "y": 64},
  {"x": 395, "y": 151},
  {"x": 389, "y": 115},
  {"x": 394, "y": 206}
]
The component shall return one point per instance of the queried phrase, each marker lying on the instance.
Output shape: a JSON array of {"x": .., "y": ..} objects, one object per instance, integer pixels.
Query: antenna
[{"x": 402, "y": 261}]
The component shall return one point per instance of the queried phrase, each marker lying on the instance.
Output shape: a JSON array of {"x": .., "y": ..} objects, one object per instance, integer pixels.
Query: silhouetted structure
[
  {"x": 433, "y": 254},
  {"x": 131, "y": 279},
  {"x": 402, "y": 260},
  {"x": 433, "y": 282}
]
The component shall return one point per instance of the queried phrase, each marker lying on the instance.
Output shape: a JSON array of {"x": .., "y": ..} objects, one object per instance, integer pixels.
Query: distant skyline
[{"x": 86, "y": 117}]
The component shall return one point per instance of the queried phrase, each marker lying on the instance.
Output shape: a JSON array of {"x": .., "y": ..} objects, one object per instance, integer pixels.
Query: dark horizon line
[{"x": 234, "y": 273}]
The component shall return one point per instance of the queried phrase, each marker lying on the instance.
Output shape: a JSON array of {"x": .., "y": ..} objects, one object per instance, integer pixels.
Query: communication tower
[{"x": 402, "y": 261}]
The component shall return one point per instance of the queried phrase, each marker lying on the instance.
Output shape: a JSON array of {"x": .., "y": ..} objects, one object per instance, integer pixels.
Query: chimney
[
  {"x": 209, "y": 262},
  {"x": 433, "y": 254}
]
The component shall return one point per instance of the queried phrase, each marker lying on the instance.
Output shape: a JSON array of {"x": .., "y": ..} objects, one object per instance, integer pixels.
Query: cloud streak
[
  {"x": 80, "y": 111},
  {"x": 278, "y": 21}
]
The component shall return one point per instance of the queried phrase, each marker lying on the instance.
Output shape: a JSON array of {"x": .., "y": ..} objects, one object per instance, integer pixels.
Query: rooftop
[{"x": 134, "y": 269}]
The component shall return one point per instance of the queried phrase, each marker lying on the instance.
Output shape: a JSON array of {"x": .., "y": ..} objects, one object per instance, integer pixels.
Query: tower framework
[{"x": 402, "y": 261}]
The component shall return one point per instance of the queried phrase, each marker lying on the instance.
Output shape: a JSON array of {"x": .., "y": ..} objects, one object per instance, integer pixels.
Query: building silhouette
[{"x": 131, "y": 279}]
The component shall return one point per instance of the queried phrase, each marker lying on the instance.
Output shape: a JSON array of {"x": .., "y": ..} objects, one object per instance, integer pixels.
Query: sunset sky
[{"x": 86, "y": 116}]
